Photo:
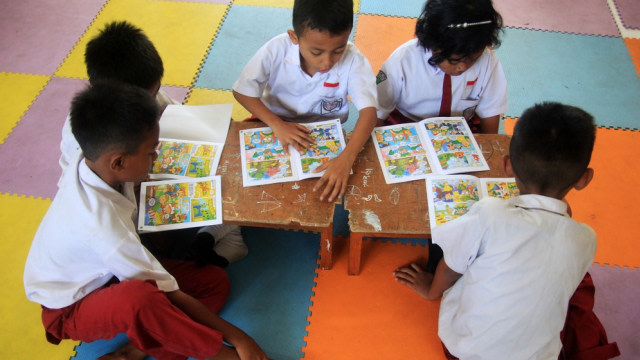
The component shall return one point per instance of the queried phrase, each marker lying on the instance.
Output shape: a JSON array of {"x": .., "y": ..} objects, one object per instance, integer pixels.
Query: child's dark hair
[
  {"x": 123, "y": 52},
  {"x": 335, "y": 16},
  {"x": 441, "y": 28},
  {"x": 110, "y": 115},
  {"x": 551, "y": 146}
]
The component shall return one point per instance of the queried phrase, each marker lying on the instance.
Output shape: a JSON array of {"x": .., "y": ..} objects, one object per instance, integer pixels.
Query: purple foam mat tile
[
  {"x": 29, "y": 155},
  {"x": 36, "y": 36},
  {"x": 616, "y": 305},
  {"x": 176, "y": 92},
  {"x": 629, "y": 12},
  {"x": 591, "y": 17}
]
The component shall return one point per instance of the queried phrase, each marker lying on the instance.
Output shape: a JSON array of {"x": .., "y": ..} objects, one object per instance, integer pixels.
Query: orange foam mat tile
[
  {"x": 370, "y": 316},
  {"x": 633, "y": 45},
  {"x": 23, "y": 335},
  {"x": 180, "y": 31},
  {"x": 610, "y": 203},
  {"x": 377, "y": 45}
]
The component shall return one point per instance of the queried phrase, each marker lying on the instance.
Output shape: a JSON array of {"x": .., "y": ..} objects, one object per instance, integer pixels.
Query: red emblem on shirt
[
  {"x": 471, "y": 83},
  {"x": 331, "y": 84}
]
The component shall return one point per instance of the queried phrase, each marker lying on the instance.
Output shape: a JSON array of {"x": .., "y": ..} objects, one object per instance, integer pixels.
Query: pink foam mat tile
[
  {"x": 589, "y": 17},
  {"x": 629, "y": 12},
  {"x": 35, "y": 35},
  {"x": 616, "y": 305},
  {"x": 177, "y": 93},
  {"x": 29, "y": 156}
]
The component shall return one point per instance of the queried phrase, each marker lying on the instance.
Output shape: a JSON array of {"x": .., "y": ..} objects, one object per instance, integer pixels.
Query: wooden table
[
  {"x": 290, "y": 205},
  {"x": 378, "y": 209}
]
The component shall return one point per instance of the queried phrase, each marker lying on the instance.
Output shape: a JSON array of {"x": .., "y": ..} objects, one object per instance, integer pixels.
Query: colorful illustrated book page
[
  {"x": 401, "y": 153},
  {"x": 451, "y": 196},
  {"x": 265, "y": 162},
  {"x": 181, "y": 158},
  {"x": 178, "y": 204},
  {"x": 443, "y": 145}
]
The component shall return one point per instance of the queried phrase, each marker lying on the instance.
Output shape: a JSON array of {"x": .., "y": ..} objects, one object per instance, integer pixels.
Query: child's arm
[
  {"x": 490, "y": 125},
  {"x": 337, "y": 170},
  {"x": 427, "y": 285},
  {"x": 287, "y": 132},
  {"x": 244, "y": 345}
]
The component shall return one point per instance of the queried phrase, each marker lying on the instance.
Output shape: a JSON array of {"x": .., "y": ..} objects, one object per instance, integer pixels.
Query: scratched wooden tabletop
[
  {"x": 289, "y": 204},
  {"x": 401, "y": 209}
]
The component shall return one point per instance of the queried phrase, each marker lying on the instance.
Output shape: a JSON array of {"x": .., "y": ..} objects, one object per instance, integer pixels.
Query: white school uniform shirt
[
  {"x": 521, "y": 260},
  {"x": 408, "y": 82},
  {"x": 87, "y": 236},
  {"x": 69, "y": 147},
  {"x": 274, "y": 74}
]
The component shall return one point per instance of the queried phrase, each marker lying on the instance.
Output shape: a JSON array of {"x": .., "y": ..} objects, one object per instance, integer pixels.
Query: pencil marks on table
[
  {"x": 295, "y": 186},
  {"x": 268, "y": 202},
  {"x": 301, "y": 198},
  {"x": 372, "y": 219},
  {"x": 394, "y": 196}
]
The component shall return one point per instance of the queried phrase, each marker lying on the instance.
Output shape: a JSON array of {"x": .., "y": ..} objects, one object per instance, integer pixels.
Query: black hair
[
  {"x": 551, "y": 146},
  {"x": 111, "y": 115},
  {"x": 335, "y": 16},
  {"x": 436, "y": 28},
  {"x": 123, "y": 52}
]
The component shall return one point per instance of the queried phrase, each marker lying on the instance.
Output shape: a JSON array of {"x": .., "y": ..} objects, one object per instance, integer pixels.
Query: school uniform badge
[
  {"x": 330, "y": 106},
  {"x": 380, "y": 77}
]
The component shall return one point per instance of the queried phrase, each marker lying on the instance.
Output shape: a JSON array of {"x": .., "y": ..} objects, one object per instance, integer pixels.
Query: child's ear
[
  {"x": 293, "y": 36},
  {"x": 506, "y": 166},
  {"x": 584, "y": 180},
  {"x": 116, "y": 161}
]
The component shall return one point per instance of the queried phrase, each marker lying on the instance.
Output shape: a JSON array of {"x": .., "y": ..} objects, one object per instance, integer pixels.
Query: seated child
[
  {"x": 87, "y": 267},
  {"x": 449, "y": 69},
  {"x": 511, "y": 266},
  {"x": 123, "y": 52},
  {"x": 306, "y": 75}
]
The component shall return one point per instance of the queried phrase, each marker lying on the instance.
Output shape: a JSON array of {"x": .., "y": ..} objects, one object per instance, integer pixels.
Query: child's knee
[{"x": 140, "y": 294}]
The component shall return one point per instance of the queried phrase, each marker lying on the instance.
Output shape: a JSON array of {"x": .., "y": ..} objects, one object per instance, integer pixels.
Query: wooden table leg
[
  {"x": 326, "y": 248},
  {"x": 355, "y": 253}
]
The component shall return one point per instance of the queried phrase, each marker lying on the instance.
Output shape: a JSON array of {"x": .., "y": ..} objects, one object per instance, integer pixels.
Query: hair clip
[{"x": 466, "y": 25}]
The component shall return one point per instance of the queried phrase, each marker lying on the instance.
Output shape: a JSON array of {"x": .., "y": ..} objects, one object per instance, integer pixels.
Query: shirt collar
[
  {"x": 540, "y": 202},
  {"x": 125, "y": 199}
]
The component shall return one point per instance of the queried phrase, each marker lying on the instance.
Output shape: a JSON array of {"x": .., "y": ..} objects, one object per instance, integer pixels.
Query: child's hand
[
  {"x": 248, "y": 349},
  {"x": 335, "y": 177},
  {"x": 292, "y": 134}
]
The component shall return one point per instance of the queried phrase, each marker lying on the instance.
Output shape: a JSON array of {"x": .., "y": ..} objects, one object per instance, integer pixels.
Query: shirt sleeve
[
  {"x": 255, "y": 75},
  {"x": 389, "y": 86},
  {"x": 494, "y": 97},
  {"x": 460, "y": 239},
  {"x": 362, "y": 83}
]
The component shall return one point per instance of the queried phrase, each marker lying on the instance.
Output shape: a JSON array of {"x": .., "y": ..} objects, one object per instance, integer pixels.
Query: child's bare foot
[
  {"x": 127, "y": 352},
  {"x": 415, "y": 278}
]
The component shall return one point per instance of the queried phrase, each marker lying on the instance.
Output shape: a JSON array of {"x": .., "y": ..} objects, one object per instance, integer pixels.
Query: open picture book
[
  {"x": 441, "y": 145},
  {"x": 451, "y": 196},
  {"x": 185, "y": 158},
  {"x": 177, "y": 204},
  {"x": 264, "y": 160}
]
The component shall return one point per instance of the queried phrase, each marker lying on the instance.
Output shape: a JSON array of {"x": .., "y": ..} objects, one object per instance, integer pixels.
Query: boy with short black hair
[
  {"x": 306, "y": 75},
  {"x": 510, "y": 267},
  {"x": 87, "y": 267}
]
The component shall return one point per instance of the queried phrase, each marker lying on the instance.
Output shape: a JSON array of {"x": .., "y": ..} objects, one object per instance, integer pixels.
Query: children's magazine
[
  {"x": 182, "y": 158},
  {"x": 442, "y": 145},
  {"x": 451, "y": 196},
  {"x": 177, "y": 204},
  {"x": 265, "y": 162}
]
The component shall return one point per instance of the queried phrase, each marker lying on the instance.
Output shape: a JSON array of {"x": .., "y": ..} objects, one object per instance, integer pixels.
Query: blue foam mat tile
[
  {"x": 244, "y": 30},
  {"x": 591, "y": 72},
  {"x": 270, "y": 293},
  {"x": 405, "y": 8}
]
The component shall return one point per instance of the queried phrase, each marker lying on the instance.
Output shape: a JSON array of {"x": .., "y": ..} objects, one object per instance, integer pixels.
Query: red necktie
[{"x": 445, "y": 105}]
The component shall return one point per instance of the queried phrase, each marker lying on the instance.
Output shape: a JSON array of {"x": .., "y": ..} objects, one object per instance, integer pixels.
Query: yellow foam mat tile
[
  {"x": 377, "y": 45},
  {"x": 19, "y": 220},
  {"x": 17, "y": 91},
  {"x": 200, "y": 96},
  {"x": 181, "y": 31},
  {"x": 370, "y": 316},
  {"x": 610, "y": 203},
  {"x": 633, "y": 45}
]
